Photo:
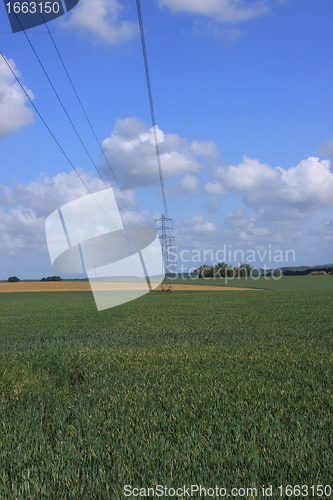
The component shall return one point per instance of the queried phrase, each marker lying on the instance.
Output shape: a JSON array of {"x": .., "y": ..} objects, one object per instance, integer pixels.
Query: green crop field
[
  {"x": 228, "y": 389},
  {"x": 268, "y": 283}
]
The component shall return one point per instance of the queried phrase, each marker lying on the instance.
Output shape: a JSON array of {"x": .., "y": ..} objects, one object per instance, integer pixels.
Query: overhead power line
[
  {"x": 85, "y": 114},
  {"x": 88, "y": 120},
  {"x": 52, "y": 135},
  {"x": 151, "y": 104},
  {"x": 67, "y": 157},
  {"x": 166, "y": 238},
  {"x": 164, "y": 223}
]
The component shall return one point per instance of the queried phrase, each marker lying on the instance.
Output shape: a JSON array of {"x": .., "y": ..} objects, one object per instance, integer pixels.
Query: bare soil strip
[{"x": 77, "y": 286}]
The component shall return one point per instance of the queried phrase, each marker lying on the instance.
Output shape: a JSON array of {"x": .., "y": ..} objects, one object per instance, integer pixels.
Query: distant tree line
[
  {"x": 52, "y": 278},
  {"x": 308, "y": 270},
  {"x": 13, "y": 279},
  {"x": 222, "y": 270}
]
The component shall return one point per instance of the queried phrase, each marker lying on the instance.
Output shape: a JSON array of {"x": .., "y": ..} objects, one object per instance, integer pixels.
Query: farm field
[
  {"x": 75, "y": 286},
  {"x": 284, "y": 283},
  {"x": 231, "y": 389}
]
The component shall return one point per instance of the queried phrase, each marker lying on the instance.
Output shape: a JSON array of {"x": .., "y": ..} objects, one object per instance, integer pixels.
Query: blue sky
[{"x": 243, "y": 101}]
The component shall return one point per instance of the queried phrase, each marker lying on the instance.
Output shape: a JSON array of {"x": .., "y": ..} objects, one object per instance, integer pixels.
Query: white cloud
[
  {"x": 207, "y": 149},
  {"x": 326, "y": 149},
  {"x": 212, "y": 205},
  {"x": 280, "y": 201},
  {"x": 205, "y": 227},
  {"x": 21, "y": 229},
  {"x": 13, "y": 110},
  {"x": 215, "y": 188},
  {"x": 131, "y": 152},
  {"x": 46, "y": 194},
  {"x": 189, "y": 183},
  {"x": 198, "y": 224},
  {"x": 306, "y": 187},
  {"x": 101, "y": 18},
  {"x": 248, "y": 175},
  {"x": 226, "y": 34},
  {"x": 324, "y": 229},
  {"x": 227, "y": 11},
  {"x": 24, "y": 208},
  {"x": 261, "y": 227}
]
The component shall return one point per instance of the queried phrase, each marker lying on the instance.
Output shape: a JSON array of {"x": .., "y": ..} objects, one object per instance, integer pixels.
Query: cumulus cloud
[
  {"x": 207, "y": 149},
  {"x": 18, "y": 225},
  {"x": 306, "y": 187},
  {"x": 226, "y": 11},
  {"x": 101, "y": 18},
  {"x": 24, "y": 208},
  {"x": 199, "y": 224},
  {"x": 13, "y": 110},
  {"x": 131, "y": 152},
  {"x": 46, "y": 194},
  {"x": 212, "y": 205},
  {"x": 215, "y": 188},
  {"x": 226, "y": 34},
  {"x": 326, "y": 149},
  {"x": 324, "y": 229},
  {"x": 189, "y": 183},
  {"x": 278, "y": 203},
  {"x": 263, "y": 227}
]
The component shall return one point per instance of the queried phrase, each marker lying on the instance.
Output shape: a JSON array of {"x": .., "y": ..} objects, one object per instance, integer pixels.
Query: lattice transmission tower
[
  {"x": 165, "y": 228},
  {"x": 164, "y": 223}
]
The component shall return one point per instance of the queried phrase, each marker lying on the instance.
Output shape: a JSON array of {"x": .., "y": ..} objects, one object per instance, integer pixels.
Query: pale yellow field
[{"x": 74, "y": 286}]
